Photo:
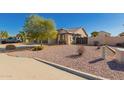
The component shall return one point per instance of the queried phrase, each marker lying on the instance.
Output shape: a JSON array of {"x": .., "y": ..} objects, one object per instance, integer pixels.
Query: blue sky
[{"x": 113, "y": 23}]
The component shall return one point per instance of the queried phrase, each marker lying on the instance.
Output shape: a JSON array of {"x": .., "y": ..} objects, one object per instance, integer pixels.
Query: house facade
[
  {"x": 105, "y": 38},
  {"x": 72, "y": 36}
]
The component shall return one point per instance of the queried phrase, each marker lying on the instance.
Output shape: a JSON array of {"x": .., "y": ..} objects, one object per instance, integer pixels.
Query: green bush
[
  {"x": 37, "y": 48},
  {"x": 10, "y": 47}
]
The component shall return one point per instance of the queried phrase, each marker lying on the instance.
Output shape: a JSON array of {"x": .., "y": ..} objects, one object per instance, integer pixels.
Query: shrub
[
  {"x": 37, "y": 48},
  {"x": 98, "y": 47},
  {"x": 81, "y": 50},
  {"x": 122, "y": 44},
  {"x": 3, "y": 42},
  {"x": 10, "y": 47},
  {"x": 119, "y": 44}
]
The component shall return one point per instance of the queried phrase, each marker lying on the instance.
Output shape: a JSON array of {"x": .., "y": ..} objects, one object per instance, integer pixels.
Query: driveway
[{"x": 30, "y": 69}]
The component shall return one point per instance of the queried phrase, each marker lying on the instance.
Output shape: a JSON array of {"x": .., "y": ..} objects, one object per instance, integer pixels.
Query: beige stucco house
[
  {"x": 72, "y": 36},
  {"x": 105, "y": 38}
]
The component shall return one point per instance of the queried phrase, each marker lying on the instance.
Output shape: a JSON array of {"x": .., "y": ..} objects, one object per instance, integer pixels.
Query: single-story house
[
  {"x": 105, "y": 38},
  {"x": 72, "y": 36}
]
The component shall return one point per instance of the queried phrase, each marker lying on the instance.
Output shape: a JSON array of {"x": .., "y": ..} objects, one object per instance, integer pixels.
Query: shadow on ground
[
  {"x": 96, "y": 60},
  {"x": 74, "y": 56},
  {"x": 115, "y": 66}
]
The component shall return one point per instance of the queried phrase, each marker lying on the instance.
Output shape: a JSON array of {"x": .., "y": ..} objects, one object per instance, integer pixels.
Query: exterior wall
[
  {"x": 107, "y": 40},
  {"x": 91, "y": 40},
  {"x": 115, "y": 40},
  {"x": 68, "y": 39},
  {"x": 103, "y": 34},
  {"x": 81, "y": 32},
  {"x": 53, "y": 41}
]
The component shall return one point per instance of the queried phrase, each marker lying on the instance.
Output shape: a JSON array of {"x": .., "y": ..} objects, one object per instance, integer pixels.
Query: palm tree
[
  {"x": 94, "y": 34},
  {"x": 4, "y": 34},
  {"x": 22, "y": 36}
]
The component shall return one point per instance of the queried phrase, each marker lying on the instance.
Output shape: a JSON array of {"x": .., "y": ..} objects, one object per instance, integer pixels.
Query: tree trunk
[
  {"x": 41, "y": 42},
  {"x": 47, "y": 40}
]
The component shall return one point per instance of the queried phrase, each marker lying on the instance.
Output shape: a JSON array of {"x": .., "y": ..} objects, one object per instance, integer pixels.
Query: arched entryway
[{"x": 80, "y": 40}]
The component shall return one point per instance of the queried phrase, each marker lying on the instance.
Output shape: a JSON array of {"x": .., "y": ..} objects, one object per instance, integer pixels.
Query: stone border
[
  {"x": 110, "y": 48},
  {"x": 70, "y": 70}
]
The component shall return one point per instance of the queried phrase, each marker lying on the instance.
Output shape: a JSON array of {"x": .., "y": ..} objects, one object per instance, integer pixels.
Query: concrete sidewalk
[{"x": 29, "y": 69}]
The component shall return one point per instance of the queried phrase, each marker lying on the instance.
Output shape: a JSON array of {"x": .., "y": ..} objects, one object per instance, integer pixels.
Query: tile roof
[{"x": 71, "y": 30}]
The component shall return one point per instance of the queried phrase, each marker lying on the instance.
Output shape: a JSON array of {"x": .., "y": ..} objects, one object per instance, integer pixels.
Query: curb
[{"x": 72, "y": 71}]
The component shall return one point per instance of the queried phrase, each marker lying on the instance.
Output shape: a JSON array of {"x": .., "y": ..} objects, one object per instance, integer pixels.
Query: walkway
[{"x": 30, "y": 69}]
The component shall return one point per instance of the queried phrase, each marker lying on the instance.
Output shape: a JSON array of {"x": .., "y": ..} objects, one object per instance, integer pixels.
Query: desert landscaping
[{"x": 90, "y": 61}]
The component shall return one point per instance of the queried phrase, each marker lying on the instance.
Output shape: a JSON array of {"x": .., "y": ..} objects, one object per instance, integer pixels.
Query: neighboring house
[
  {"x": 121, "y": 34},
  {"x": 105, "y": 38},
  {"x": 104, "y": 34},
  {"x": 72, "y": 36}
]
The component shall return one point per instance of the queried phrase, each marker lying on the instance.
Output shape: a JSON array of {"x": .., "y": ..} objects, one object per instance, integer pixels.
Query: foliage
[
  {"x": 4, "y": 34},
  {"x": 37, "y": 48},
  {"x": 22, "y": 36},
  {"x": 10, "y": 47},
  {"x": 94, "y": 34},
  {"x": 38, "y": 28}
]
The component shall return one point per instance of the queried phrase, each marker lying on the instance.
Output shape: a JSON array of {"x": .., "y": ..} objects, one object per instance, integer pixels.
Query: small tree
[
  {"x": 49, "y": 31},
  {"x": 94, "y": 34},
  {"x": 4, "y": 34},
  {"x": 38, "y": 28}
]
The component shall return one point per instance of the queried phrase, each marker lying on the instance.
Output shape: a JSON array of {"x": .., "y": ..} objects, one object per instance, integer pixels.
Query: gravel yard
[{"x": 89, "y": 62}]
